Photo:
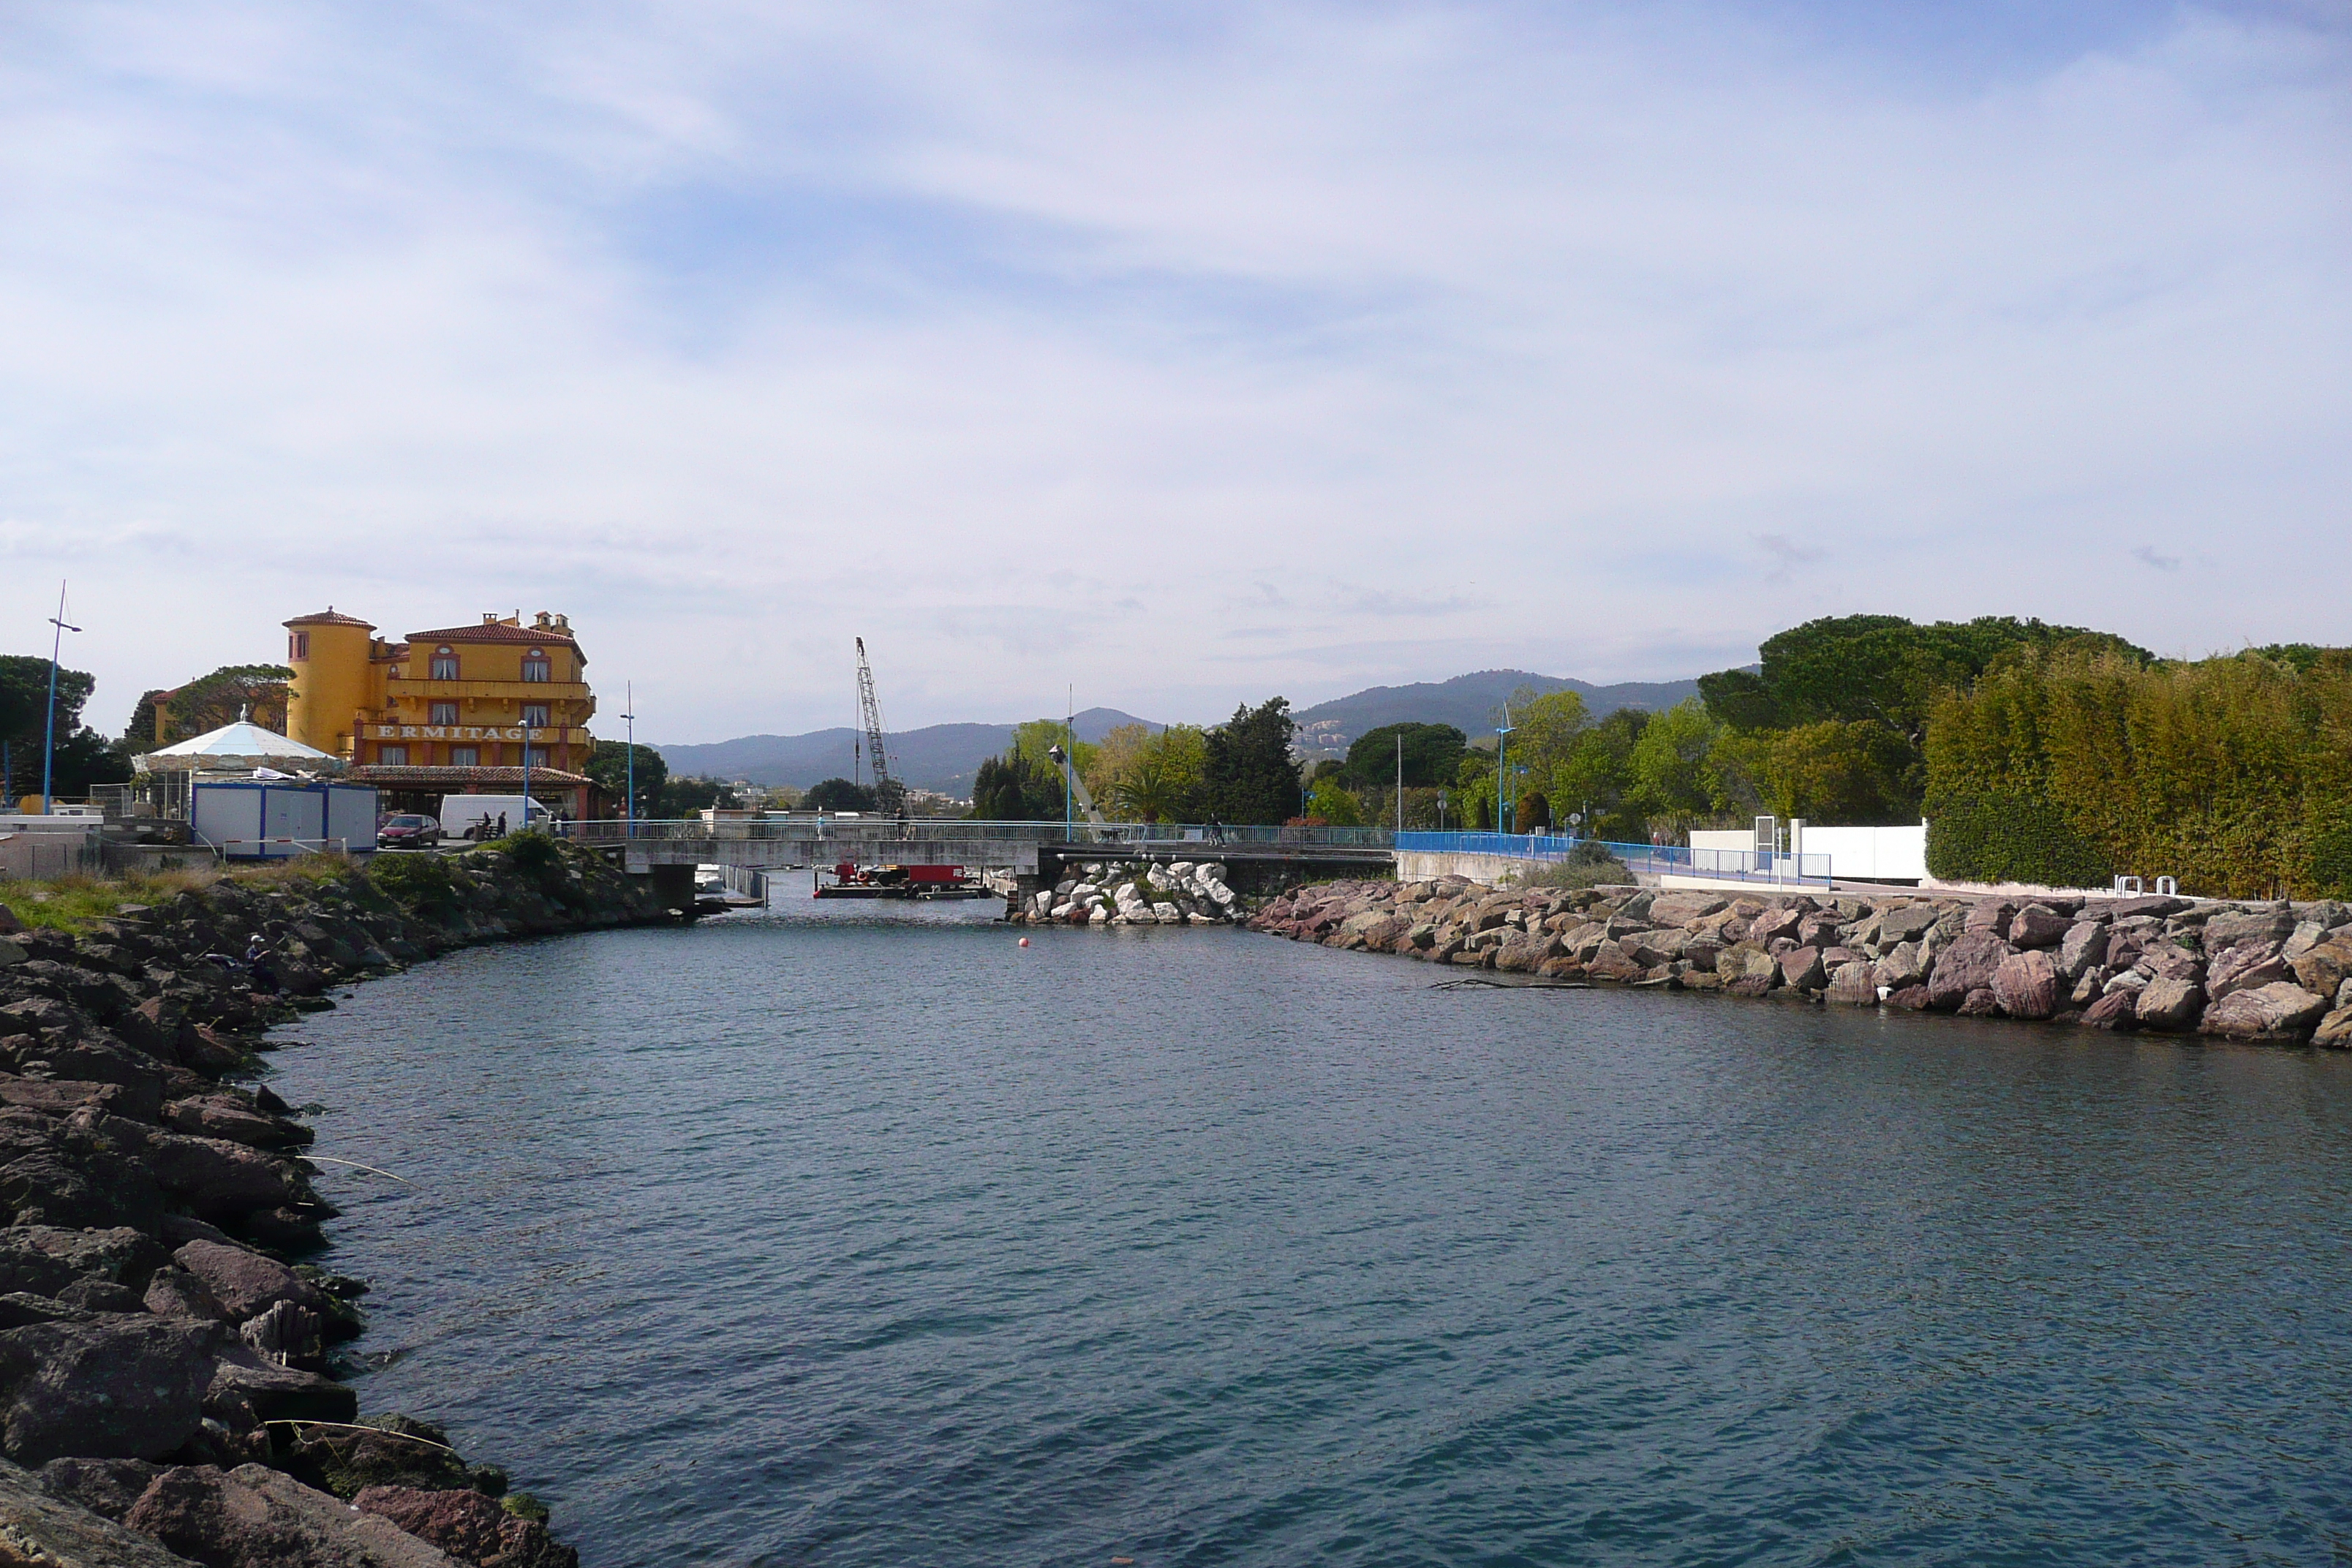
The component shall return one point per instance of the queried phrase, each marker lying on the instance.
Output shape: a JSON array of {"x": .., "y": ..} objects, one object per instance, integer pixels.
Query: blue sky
[{"x": 1184, "y": 354}]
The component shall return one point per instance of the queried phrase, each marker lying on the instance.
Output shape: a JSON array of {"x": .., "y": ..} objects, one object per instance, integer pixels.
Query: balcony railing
[{"x": 954, "y": 830}]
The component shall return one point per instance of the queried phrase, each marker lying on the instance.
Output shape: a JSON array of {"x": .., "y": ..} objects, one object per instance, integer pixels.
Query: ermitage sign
[{"x": 463, "y": 732}]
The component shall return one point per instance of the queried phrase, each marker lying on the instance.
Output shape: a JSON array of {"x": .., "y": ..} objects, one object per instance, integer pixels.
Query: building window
[
  {"x": 445, "y": 663},
  {"x": 535, "y": 665},
  {"x": 534, "y": 715},
  {"x": 536, "y": 757},
  {"x": 465, "y": 756},
  {"x": 391, "y": 756},
  {"x": 298, "y": 646},
  {"x": 444, "y": 713}
]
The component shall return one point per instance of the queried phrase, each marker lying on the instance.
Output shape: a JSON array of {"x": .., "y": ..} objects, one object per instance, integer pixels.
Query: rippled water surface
[{"x": 847, "y": 1237}]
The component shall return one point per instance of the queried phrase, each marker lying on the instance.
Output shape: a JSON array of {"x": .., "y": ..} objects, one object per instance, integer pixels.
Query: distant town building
[{"x": 446, "y": 712}]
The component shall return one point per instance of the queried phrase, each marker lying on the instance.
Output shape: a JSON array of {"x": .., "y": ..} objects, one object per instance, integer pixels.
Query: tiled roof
[
  {"x": 554, "y": 778},
  {"x": 490, "y": 632},
  {"x": 330, "y": 617}
]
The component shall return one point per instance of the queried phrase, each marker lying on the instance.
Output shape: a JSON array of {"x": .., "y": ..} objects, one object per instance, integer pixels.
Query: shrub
[{"x": 2011, "y": 838}]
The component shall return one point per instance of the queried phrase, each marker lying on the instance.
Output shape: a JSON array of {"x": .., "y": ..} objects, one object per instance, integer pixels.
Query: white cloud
[{"x": 1188, "y": 355}]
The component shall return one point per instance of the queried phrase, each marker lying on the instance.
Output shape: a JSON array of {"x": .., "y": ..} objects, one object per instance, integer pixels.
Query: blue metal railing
[
  {"x": 1657, "y": 859},
  {"x": 956, "y": 829}
]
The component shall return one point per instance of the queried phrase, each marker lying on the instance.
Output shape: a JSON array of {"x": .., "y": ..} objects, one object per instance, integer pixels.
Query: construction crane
[{"x": 889, "y": 795}]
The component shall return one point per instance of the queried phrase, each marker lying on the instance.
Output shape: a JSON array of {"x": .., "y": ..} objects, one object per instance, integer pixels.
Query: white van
[{"x": 475, "y": 817}]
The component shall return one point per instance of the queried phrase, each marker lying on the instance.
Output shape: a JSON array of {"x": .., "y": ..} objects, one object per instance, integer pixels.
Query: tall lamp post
[
  {"x": 49, "y": 738},
  {"x": 1502, "y": 775},
  {"x": 629, "y": 807},
  {"x": 526, "y": 773}
]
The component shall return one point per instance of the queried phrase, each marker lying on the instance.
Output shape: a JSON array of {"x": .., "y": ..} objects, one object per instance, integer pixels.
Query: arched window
[
  {"x": 445, "y": 663},
  {"x": 535, "y": 665},
  {"x": 298, "y": 646}
]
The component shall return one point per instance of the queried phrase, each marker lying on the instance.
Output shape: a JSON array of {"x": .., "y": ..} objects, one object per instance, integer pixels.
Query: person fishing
[{"x": 260, "y": 971}]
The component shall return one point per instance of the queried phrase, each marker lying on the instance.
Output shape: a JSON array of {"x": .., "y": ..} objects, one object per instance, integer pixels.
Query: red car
[{"x": 407, "y": 830}]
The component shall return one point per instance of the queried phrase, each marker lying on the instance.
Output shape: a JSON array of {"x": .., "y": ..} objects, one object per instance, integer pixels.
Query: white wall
[{"x": 1883, "y": 854}]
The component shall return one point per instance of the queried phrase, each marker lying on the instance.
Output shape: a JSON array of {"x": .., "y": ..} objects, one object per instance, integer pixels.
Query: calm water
[{"x": 834, "y": 1237}]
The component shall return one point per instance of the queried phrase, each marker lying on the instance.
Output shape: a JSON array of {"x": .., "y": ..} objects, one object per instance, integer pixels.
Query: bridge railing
[
  {"x": 856, "y": 830},
  {"x": 1659, "y": 859}
]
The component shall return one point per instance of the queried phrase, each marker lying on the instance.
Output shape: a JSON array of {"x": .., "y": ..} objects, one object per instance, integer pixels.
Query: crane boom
[{"x": 889, "y": 795}]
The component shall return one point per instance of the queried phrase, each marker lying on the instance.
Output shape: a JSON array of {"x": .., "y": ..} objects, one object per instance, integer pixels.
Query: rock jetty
[
  {"x": 1131, "y": 893},
  {"x": 2276, "y": 971},
  {"x": 165, "y": 1393}
]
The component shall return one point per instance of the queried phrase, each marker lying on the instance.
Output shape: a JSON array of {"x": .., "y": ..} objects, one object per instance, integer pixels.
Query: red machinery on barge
[{"x": 851, "y": 881}]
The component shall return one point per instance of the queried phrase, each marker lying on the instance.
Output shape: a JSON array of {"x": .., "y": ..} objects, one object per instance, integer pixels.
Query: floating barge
[{"x": 854, "y": 881}]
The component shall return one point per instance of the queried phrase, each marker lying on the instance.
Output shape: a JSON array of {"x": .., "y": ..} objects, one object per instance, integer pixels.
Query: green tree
[
  {"x": 1548, "y": 728},
  {"x": 610, "y": 768},
  {"x": 685, "y": 796},
  {"x": 83, "y": 756},
  {"x": 1432, "y": 754},
  {"x": 1596, "y": 777},
  {"x": 839, "y": 794},
  {"x": 257, "y": 691},
  {"x": 1672, "y": 774},
  {"x": 1016, "y": 788},
  {"x": 1160, "y": 780},
  {"x": 1247, "y": 775},
  {"x": 1330, "y": 801}
]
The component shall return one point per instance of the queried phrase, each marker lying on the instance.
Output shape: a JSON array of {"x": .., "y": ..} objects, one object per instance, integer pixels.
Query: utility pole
[{"x": 49, "y": 739}]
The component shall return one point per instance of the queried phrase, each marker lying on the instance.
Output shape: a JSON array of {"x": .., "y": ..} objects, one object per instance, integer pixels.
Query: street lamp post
[
  {"x": 49, "y": 737},
  {"x": 526, "y": 773},
  {"x": 1502, "y": 776},
  {"x": 629, "y": 807}
]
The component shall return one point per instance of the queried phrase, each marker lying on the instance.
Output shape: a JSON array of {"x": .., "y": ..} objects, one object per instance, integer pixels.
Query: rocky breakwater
[
  {"x": 1182, "y": 892},
  {"x": 165, "y": 1359},
  {"x": 2273, "y": 972}
]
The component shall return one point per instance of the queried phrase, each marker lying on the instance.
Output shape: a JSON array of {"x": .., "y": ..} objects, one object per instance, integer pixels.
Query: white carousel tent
[{"x": 239, "y": 748}]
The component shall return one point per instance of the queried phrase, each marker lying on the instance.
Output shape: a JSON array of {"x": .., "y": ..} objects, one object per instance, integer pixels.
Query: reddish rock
[
  {"x": 1980, "y": 1003},
  {"x": 1749, "y": 985},
  {"x": 252, "y": 1517},
  {"x": 2112, "y": 1010},
  {"x": 2336, "y": 1030},
  {"x": 1911, "y": 999},
  {"x": 1969, "y": 965},
  {"x": 2234, "y": 927},
  {"x": 2038, "y": 925},
  {"x": 2026, "y": 984},
  {"x": 1994, "y": 916},
  {"x": 2279, "y": 1010},
  {"x": 1611, "y": 963},
  {"x": 2245, "y": 967},
  {"x": 246, "y": 1283},
  {"x": 467, "y": 1526},
  {"x": 2323, "y": 969},
  {"x": 1800, "y": 969},
  {"x": 2083, "y": 949}
]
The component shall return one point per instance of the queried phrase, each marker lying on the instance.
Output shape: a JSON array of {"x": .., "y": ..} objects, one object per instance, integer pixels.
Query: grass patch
[
  {"x": 76, "y": 901},
  {"x": 1587, "y": 867}
]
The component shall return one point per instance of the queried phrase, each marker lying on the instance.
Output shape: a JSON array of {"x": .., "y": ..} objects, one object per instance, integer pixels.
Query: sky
[{"x": 1166, "y": 356}]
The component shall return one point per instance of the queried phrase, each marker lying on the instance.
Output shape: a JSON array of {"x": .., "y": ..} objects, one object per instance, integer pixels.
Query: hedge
[{"x": 2005, "y": 837}]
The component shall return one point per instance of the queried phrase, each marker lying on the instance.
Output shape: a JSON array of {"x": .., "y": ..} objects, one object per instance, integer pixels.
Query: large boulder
[
  {"x": 2279, "y": 1011},
  {"x": 1902, "y": 967},
  {"x": 252, "y": 1517},
  {"x": 42, "y": 1527},
  {"x": 2084, "y": 947},
  {"x": 1992, "y": 915},
  {"x": 106, "y": 1386},
  {"x": 245, "y": 1283},
  {"x": 2230, "y": 928},
  {"x": 468, "y": 1526},
  {"x": 2170, "y": 1004},
  {"x": 1969, "y": 965},
  {"x": 2336, "y": 1030},
  {"x": 1854, "y": 985},
  {"x": 1800, "y": 969},
  {"x": 2115, "y": 1010},
  {"x": 2244, "y": 967},
  {"x": 1681, "y": 908},
  {"x": 1908, "y": 923},
  {"x": 2026, "y": 984},
  {"x": 2324, "y": 967},
  {"x": 2039, "y": 925}
]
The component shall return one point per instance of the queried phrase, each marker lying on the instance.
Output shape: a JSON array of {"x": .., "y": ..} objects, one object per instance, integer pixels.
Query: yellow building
[{"x": 445, "y": 711}]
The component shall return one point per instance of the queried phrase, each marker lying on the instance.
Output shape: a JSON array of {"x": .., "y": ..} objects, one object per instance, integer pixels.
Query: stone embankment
[
  {"x": 165, "y": 1393},
  {"x": 2277, "y": 972},
  {"x": 1183, "y": 892}
]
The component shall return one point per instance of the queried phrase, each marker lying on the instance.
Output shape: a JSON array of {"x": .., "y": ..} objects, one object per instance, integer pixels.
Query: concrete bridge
[{"x": 1020, "y": 850}]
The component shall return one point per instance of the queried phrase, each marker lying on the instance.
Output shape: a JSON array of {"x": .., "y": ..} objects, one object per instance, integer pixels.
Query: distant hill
[
  {"x": 1471, "y": 704},
  {"x": 943, "y": 757}
]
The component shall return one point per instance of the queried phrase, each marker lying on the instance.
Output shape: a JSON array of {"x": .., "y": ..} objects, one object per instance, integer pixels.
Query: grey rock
[
  {"x": 2230, "y": 928},
  {"x": 1902, "y": 967},
  {"x": 40, "y": 1528},
  {"x": 2038, "y": 925},
  {"x": 2084, "y": 947},
  {"x": 102, "y": 1386},
  {"x": 2171, "y": 1003}
]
